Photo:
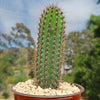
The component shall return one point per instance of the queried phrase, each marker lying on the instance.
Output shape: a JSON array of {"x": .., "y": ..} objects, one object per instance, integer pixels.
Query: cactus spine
[{"x": 50, "y": 47}]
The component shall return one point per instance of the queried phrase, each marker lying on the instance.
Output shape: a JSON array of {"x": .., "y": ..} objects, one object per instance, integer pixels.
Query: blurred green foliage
[
  {"x": 31, "y": 74},
  {"x": 68, "y": 77},
  {"x": 87, "y": 74},
  {"x": 5, "y": 94},
  {"x": 83, "y": 53},
  {"x": 20, "y": 77},
  {"x": 6, "y": 59},
  {"x": 13, "y": 69},
  {"x": 16, "y": 57},
  {"x": 88, "y": 66}
]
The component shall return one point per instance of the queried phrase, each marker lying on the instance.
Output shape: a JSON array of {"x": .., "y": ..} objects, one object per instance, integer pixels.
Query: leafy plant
[
  {"x": 5, "y": 95},
  {"x": 20, "y": 77},
  {"x": 88, "y": 73}
]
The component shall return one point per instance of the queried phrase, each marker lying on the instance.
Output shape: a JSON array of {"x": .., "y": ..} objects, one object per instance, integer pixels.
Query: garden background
[{"x": 18, "y": 37}]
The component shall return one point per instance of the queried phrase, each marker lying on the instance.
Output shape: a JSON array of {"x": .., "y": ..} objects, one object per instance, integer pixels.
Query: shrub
[
  {"x": 88, "y": 75},
  {"x": 5, "y": 95},
  {"x": 19, "y": 77}
]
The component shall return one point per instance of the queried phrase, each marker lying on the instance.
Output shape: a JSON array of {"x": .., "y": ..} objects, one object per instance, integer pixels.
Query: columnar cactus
[{"x": 50, "y": 47}]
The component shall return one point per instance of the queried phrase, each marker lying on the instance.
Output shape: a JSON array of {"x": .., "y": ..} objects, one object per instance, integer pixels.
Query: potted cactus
[{"x": 49, "y": 62}]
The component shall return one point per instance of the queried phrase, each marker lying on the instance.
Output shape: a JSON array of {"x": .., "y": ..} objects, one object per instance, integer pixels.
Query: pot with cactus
[{"x": 49, "y": 61}]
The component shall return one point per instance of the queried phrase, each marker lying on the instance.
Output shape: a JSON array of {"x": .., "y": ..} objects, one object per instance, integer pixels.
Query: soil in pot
[{"x": 30, "y": 91}]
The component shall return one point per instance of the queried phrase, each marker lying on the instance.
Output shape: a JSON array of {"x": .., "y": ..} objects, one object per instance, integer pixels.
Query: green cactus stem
[{"x": 50, "y": 47}]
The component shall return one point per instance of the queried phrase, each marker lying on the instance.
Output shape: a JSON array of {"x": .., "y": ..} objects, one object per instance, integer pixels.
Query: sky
[{"x": 77, "y": 13}]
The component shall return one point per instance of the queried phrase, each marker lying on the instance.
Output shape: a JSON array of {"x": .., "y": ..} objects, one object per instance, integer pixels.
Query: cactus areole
[{"x": 50, "y": 47}]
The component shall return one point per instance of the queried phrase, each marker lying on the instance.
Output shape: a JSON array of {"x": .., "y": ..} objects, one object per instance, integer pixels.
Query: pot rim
[{"x": 43, "y": 96}]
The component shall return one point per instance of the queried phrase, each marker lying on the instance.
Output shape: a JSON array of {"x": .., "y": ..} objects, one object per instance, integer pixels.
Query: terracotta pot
[{"x": 21, "y": 96}]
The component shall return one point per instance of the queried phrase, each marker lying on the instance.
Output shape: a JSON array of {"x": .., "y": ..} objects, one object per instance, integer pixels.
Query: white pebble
[{"x": 29, "y": 87}]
